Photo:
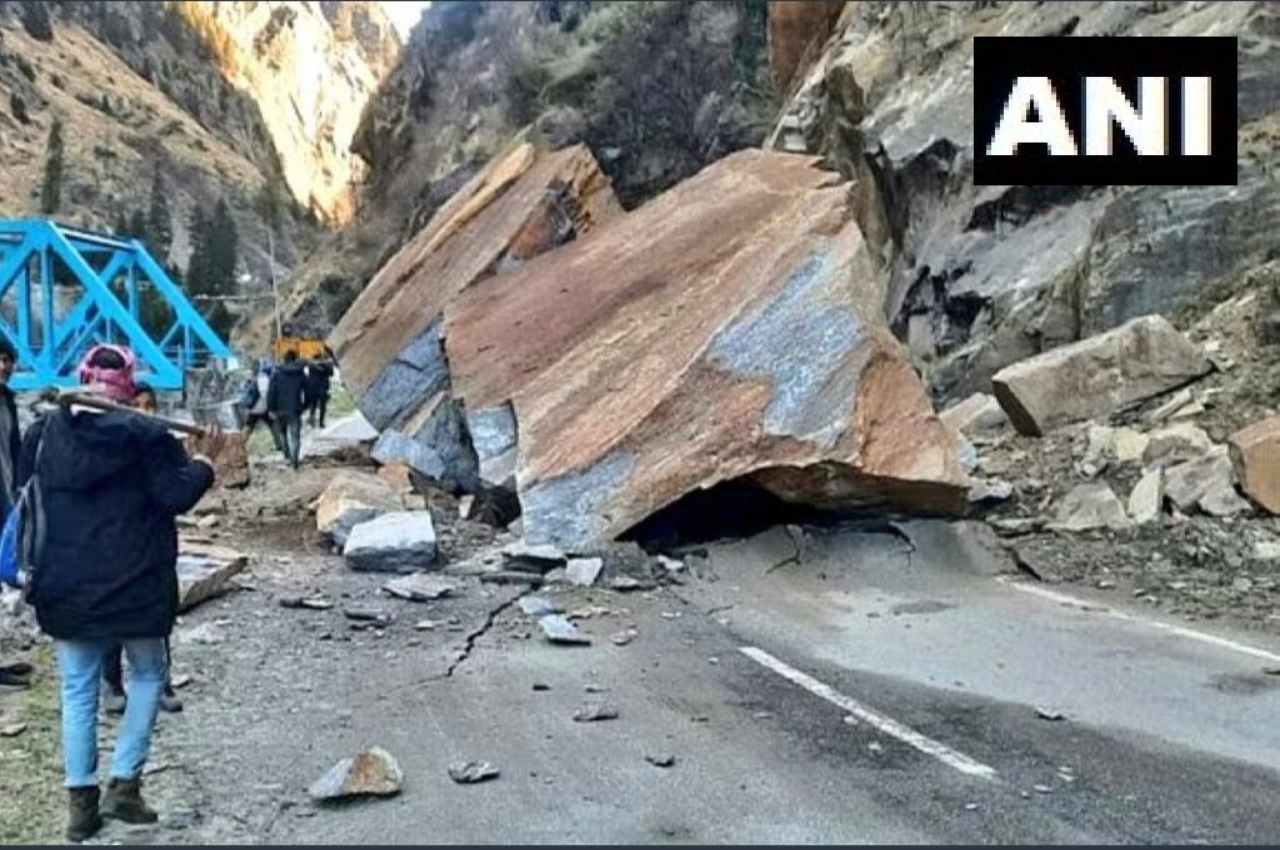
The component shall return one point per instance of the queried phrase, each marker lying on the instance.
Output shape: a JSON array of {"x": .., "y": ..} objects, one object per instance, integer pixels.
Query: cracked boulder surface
[
  {"x": 388, "y": 343},
  {"x": 729, "y": 328},
  {"x": 984, "y": 276}
]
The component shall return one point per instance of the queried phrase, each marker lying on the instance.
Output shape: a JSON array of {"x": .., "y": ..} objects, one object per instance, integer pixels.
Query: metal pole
[{"x": 271, "y": 269}]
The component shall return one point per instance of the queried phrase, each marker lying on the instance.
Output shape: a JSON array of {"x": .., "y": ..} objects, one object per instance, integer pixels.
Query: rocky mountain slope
[
  {"x": 195, "y": 94},
  {"x": 655, "y": 89},
  {"x": 985, "y": 276}
]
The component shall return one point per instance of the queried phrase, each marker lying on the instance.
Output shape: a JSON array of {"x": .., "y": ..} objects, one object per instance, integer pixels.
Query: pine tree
[
  {"x": 198, "y": 265},
  {"x": 224, "y": 248},
  {"x": 269, "y": 203},
  {"x": 137, "y": 228},
  {"x": 159, "y": 221},
  {"x": 51, "y": 191},
  {"x": 154, "y": 312}
]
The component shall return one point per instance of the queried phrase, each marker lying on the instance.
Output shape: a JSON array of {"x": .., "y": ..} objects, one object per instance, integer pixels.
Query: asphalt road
[{"x": 1164, "y": 736}]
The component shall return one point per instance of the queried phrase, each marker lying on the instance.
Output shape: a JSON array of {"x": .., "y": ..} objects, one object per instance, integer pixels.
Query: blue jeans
[{"x": 80, "y": 665}]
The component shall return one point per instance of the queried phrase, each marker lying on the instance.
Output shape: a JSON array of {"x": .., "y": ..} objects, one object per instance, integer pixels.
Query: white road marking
[
  {"x": 1181, "y": 631},
  {"x": 887, "y": 725}
]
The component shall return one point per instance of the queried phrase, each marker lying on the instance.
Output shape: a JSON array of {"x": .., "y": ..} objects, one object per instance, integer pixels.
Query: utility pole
[{"x": 275, "y": 294}]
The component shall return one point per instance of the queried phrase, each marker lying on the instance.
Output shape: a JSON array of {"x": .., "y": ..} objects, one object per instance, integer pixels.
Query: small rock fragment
[
  {"x": 366, "y": 615},
  {"x": 543, "y": 558},
  {"x": 583, "y": 572},
  {"x": 625, "y": 637},
  {"x": 1042, "y": 789},
  {"x": 209, "y": 634},
  {"x": 539, "y": 606},
  {"x": 1147, "y": 498},
  {"x": 470, "y": 772},
  {"x": 970, "y": 807},
  {"x": 875, "y": 747},
  {"x": 626, "y": 584},
  {"x": 592, "y": 711},
  {"x": 425, "y": 625},
  {"x": 1049, "y": 714},
  {"x": 372, "y": 772},
  {"x": 13, "y": 730},
  {"x": 465, "y": 505},
  {"x": 559, "y": 630},
  {"x": 1089, "y": 506},
  {"x": 671, "y": 565},
  {"x": 660, "y": 759},
  {"x": 420, "y": 587},
  {"x": 180, "y": 681},
  {"x": 541, "y": 686}
]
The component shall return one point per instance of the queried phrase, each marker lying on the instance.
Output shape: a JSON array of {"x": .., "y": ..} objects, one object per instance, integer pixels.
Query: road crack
[{"x": 471, "y": 639}]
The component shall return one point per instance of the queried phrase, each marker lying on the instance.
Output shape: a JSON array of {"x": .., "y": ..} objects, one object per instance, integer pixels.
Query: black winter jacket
[
  {"x": 285, "y": 392},
  {"x": 318, "y": 378},
  {"x": 10, "y": 445},
  {"x": 112, "y": 484}
]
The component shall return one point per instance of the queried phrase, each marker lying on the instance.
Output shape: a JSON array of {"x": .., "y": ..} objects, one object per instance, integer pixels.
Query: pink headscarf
[{"x": 115, "y": 384}]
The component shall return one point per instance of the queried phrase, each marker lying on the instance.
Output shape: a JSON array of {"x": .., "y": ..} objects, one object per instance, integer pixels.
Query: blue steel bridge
[{"x": 40, "y": 257}]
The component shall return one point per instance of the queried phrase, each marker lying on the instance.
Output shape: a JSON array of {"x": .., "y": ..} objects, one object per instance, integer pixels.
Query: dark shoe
[
  {"x": 114, "y": 701},
  {"x": 83, "y": 819},
  {"x": 123, "y": 801},
  {"x": 17, "y": 673},
  {"x": 170, "y": 703}
]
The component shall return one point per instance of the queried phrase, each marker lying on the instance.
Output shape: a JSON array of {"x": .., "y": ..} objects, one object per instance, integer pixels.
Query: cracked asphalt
[{"x": 1162, "y": 738}]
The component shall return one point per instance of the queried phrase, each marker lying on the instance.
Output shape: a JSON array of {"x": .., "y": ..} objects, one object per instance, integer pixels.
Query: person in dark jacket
[
  {"x": 319, "y": 375},
  {"x": 286, "y": 399},
  {"x": 105, "y": 571},
  {"x": 10, "y": 439}
]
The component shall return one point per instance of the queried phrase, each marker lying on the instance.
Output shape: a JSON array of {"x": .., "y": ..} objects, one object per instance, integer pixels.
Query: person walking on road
[
  {"x": 319, "y": 375},
  {"x": 254, "y": 403},
  {"x": 104, "y": 570},
  {"x": 286, "y": 398}
]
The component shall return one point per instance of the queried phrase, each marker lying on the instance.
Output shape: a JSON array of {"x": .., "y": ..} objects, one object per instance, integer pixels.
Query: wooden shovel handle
[{"x": 86, "y": 400}]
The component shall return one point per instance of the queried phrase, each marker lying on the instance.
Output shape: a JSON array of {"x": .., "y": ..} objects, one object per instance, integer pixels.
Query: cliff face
[
  {"x": 984, "y": 276},
  {"x": 655, "y": 90},
  {"x": 311, "y": 68},
  {"x": 188, "y": 97}
]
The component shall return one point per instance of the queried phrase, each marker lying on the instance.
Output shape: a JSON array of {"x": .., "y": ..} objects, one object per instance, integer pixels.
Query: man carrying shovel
[{"x": 105, "y": 570}]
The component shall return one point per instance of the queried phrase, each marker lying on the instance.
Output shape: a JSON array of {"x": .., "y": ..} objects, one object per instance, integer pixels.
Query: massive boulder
[
  {"x": 524, "y": 202},
  {"x": 730, "y": 328},
  {"x": 1097, "y": 376}
]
